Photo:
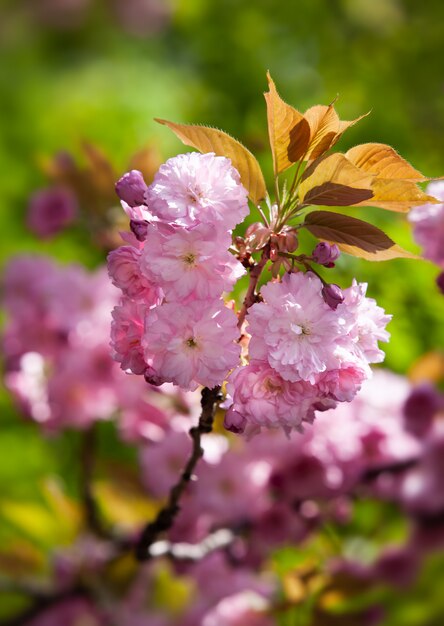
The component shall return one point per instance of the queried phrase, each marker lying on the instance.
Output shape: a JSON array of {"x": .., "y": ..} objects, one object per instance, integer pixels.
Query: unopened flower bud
[
  {"x": 131, "y": 188},
  {"x": 440, "y": 282},
  {"x": 290, "y": 239},
  {"x": 257, "y": 235},
  {"x": 332, "y": 295},
  {"x": 326, "y": 253},
  {"x": 234, "y": 421},
  {"x": 139, "y": 228},
  {"x": 420, "y": 407}
]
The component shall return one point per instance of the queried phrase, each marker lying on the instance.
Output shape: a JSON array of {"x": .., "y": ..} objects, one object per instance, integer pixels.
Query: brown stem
[
  {"x": 250, "y": 296},
  {"x": 166, "y": 516}
]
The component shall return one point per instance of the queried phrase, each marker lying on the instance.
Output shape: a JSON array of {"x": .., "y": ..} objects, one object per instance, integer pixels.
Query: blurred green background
[{"x": 102, "y": 70}]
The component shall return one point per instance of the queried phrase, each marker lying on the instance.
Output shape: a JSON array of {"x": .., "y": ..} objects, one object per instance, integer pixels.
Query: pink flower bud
[
  {"x": 257, "y": 235},
  {"x": 289, "y": 239},
  {"x": 131, "y": 188}
]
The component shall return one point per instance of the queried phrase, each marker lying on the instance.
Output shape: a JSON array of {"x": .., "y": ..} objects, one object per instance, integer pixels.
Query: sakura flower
[
  {"x": 294, "y": 329},
  {"x": 192, "y": 188},
  {"x": 263, "y": 398},
  {"x": 189, "y": 262},
  {"x": 126, "y": 336},
  {"x": 125, "y": 273},
  {"x": 368, "y": 322},
  {"x": 343, "y": 383},
  {"x": 191, "y": 345}
]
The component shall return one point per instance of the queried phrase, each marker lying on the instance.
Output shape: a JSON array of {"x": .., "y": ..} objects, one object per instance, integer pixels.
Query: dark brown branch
[
  {"x": 395, "y": 467},
  {"x": 166, "y": 516},
  {"x": 250, "y": 296}
]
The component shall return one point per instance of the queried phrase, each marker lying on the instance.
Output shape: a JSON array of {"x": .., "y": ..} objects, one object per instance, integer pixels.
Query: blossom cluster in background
[
  {"x": 57, "y": 356},
  {"x": 428, "y": 228},
  {"x": 273, "y": 492}
]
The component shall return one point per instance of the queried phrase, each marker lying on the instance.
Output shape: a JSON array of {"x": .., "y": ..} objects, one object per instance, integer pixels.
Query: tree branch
[
  {"x": 221, "y": 538},
  {"x": 87, "y": 461},
  {"x": 166, "y": 516},
  {"x": 250, "y": 296}
]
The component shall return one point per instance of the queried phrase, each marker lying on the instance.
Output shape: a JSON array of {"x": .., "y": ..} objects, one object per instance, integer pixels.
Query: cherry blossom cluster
[
  {"x": 305, "y": 355},
  {"x": 172, "y": 324},
  {"x": 57, "y": 360},
  {"x": 307, "y": 344}
]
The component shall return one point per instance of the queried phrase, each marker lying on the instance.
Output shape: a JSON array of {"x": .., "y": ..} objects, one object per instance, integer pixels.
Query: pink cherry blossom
[
  {"x": 126, "y": 335},
  {"x": 368, "y": 323},
  {"x": 124, "y": 270},
  {"x": 193, "y": 188},
  {"x": 191, "y": 345},
  {"x": 294, "y": 329},
  {"x": 262, "y": 397},
  {"x": 189, "y": 262}
]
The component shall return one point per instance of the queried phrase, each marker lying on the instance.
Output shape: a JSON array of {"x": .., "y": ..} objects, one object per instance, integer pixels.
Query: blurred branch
[
  {"x": 395, "y": 467},
  {"x": 221, "y": 538},
  {"x": 87, "y": 463},
  {"x": 166, "y": 516}
]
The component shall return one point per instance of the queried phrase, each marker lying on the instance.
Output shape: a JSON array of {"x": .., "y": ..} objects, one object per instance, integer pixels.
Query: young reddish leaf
[
  {"x": 397, "y": 195},
  {"x": 334, "y": 181},
  {"x": 325, "y": 129},
  {"x": 384, "y": 161},
  {"x": 207, "y": 139},
  {"x": 354, "y": 236},
  {"x": 288, "y": 130}
]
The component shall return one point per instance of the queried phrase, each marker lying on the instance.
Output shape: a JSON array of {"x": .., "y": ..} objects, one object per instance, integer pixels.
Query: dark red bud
[
  {"x": 139, "y": 228},
  {"x": 131, "y": 188},
  {"x": 332, "y": 295},
  {"x": 325, "y": 253}
]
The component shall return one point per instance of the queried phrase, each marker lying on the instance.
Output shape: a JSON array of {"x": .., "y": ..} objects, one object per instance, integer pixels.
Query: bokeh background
[{"x": 99, "y": 71}]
